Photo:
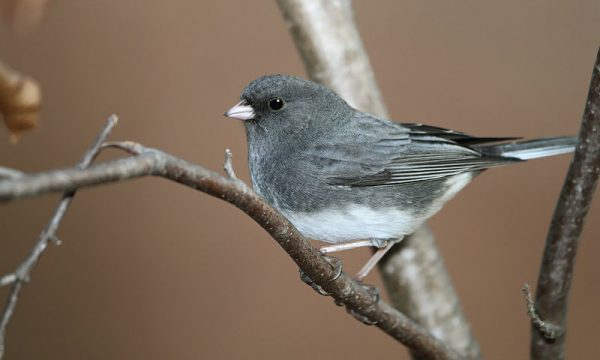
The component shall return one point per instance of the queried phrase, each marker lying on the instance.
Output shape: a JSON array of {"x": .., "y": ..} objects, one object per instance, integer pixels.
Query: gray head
[{"x": 288, "y": 104}]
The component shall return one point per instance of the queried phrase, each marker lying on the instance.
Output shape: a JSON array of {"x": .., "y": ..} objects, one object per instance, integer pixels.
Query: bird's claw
[
  {"x": 336, "y": 265},
  {"x": 312, "y": 284},
  {"x": 360, "y": 317},
  {"x": 375, "y": 294}
]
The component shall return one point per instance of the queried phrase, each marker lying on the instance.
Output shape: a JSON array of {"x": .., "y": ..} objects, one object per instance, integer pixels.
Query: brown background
[{"x": 153, "y": 270}]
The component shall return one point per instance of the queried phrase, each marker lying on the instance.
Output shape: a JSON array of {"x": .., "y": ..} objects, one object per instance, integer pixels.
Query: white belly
[
  {"x": 357, "y": 222},
  {"x": 354, "y": 223}
]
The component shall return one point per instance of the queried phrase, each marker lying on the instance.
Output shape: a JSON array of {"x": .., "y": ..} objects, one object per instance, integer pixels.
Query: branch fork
[{"x": 22, "y": 274}]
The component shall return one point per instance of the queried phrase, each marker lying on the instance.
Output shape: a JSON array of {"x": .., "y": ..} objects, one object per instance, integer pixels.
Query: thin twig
[
  {"x": 8, "y": 279},
  {"x": 9, "y": 173},
  {"x": 556, "y": 271},
  {"x": 9, "y": 309},
  {"x": 549, "y": 331},
  {"x": 358, "y": 300},
  {"x": 228, "y": 165},
  {"x": 23, "y": 272},
  {"x": 329, "y": 43}
]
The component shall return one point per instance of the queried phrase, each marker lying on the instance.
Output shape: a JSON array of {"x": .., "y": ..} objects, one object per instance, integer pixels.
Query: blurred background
[{"x": 149, "y": 269}]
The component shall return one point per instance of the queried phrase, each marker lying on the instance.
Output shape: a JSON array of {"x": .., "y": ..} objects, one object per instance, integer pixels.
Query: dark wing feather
[
  {"x": 452, "y": 135},
  {"x": 386, "y": 153}
]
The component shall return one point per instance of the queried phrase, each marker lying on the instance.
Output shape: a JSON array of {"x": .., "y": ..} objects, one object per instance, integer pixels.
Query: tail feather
[{"x": 532, "y": 149}]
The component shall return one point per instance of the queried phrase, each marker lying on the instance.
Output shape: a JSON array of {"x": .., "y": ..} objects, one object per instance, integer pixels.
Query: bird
[{"x": 350, "y": 179}]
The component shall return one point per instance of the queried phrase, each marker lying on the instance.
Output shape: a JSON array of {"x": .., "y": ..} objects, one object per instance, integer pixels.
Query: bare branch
[
  {"x": 556, "y": 272},
  {"x": 549, "y": 331},
  {"x": 8, "y": 279},
  {"x": 330, "y": 46},
  {"x": 23, "y": 272},
  {"x": 328, "y": 41},
  {"x": 8, "y": 311},
  {"x": 417, "y": 279},
  {"x": 357, "y": 299},
  {"x": 9, "y": 173}
]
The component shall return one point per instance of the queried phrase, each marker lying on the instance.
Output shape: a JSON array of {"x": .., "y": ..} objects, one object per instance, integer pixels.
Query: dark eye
[{"x": 276, "y": 104}]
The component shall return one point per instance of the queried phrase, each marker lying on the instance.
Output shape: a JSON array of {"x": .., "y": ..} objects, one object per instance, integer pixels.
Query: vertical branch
[
  {"x": 330, "y": 46},
  {"x": 416, "y": 279},
  {"x": 556, "y": 272},
  {"x": 329, "y": 43}
]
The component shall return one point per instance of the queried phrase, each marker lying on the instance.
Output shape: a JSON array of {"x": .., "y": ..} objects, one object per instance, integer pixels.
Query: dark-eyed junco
[{"x": 352, "y": 179}]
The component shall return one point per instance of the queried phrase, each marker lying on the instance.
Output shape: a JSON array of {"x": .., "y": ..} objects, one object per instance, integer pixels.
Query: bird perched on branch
[{"x": 352, "y": 179}]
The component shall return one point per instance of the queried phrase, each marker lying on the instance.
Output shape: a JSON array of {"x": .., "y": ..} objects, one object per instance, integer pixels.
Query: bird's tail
[{"x": 532, "y": 149}]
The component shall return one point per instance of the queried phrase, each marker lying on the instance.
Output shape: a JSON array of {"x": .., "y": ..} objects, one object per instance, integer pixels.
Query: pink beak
[{"x": 241, "y": 111}]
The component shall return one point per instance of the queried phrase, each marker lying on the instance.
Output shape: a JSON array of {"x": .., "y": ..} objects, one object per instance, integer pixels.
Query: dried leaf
[{"x": 20, "y": 102}]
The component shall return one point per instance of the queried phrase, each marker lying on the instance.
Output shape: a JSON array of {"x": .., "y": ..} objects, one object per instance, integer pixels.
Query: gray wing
[{"x": 375, "y": 152}]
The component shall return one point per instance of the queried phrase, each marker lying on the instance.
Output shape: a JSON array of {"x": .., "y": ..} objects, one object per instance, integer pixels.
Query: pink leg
[
  {"x": 345, "y": 246},
  {"x": 362, "y": 273}
]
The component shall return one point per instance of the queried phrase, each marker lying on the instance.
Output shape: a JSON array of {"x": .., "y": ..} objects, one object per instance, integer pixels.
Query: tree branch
[
  {"x": 23, "y": 272},
  {"x": 357, "y": 299},
  {"x": 416, "y": 278},
  {"x": 330, "y": 46},
  {"x": 556, "y": 272},
  {"x": 329, "y": 43},
  {"x": 9, "y": 173}
]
